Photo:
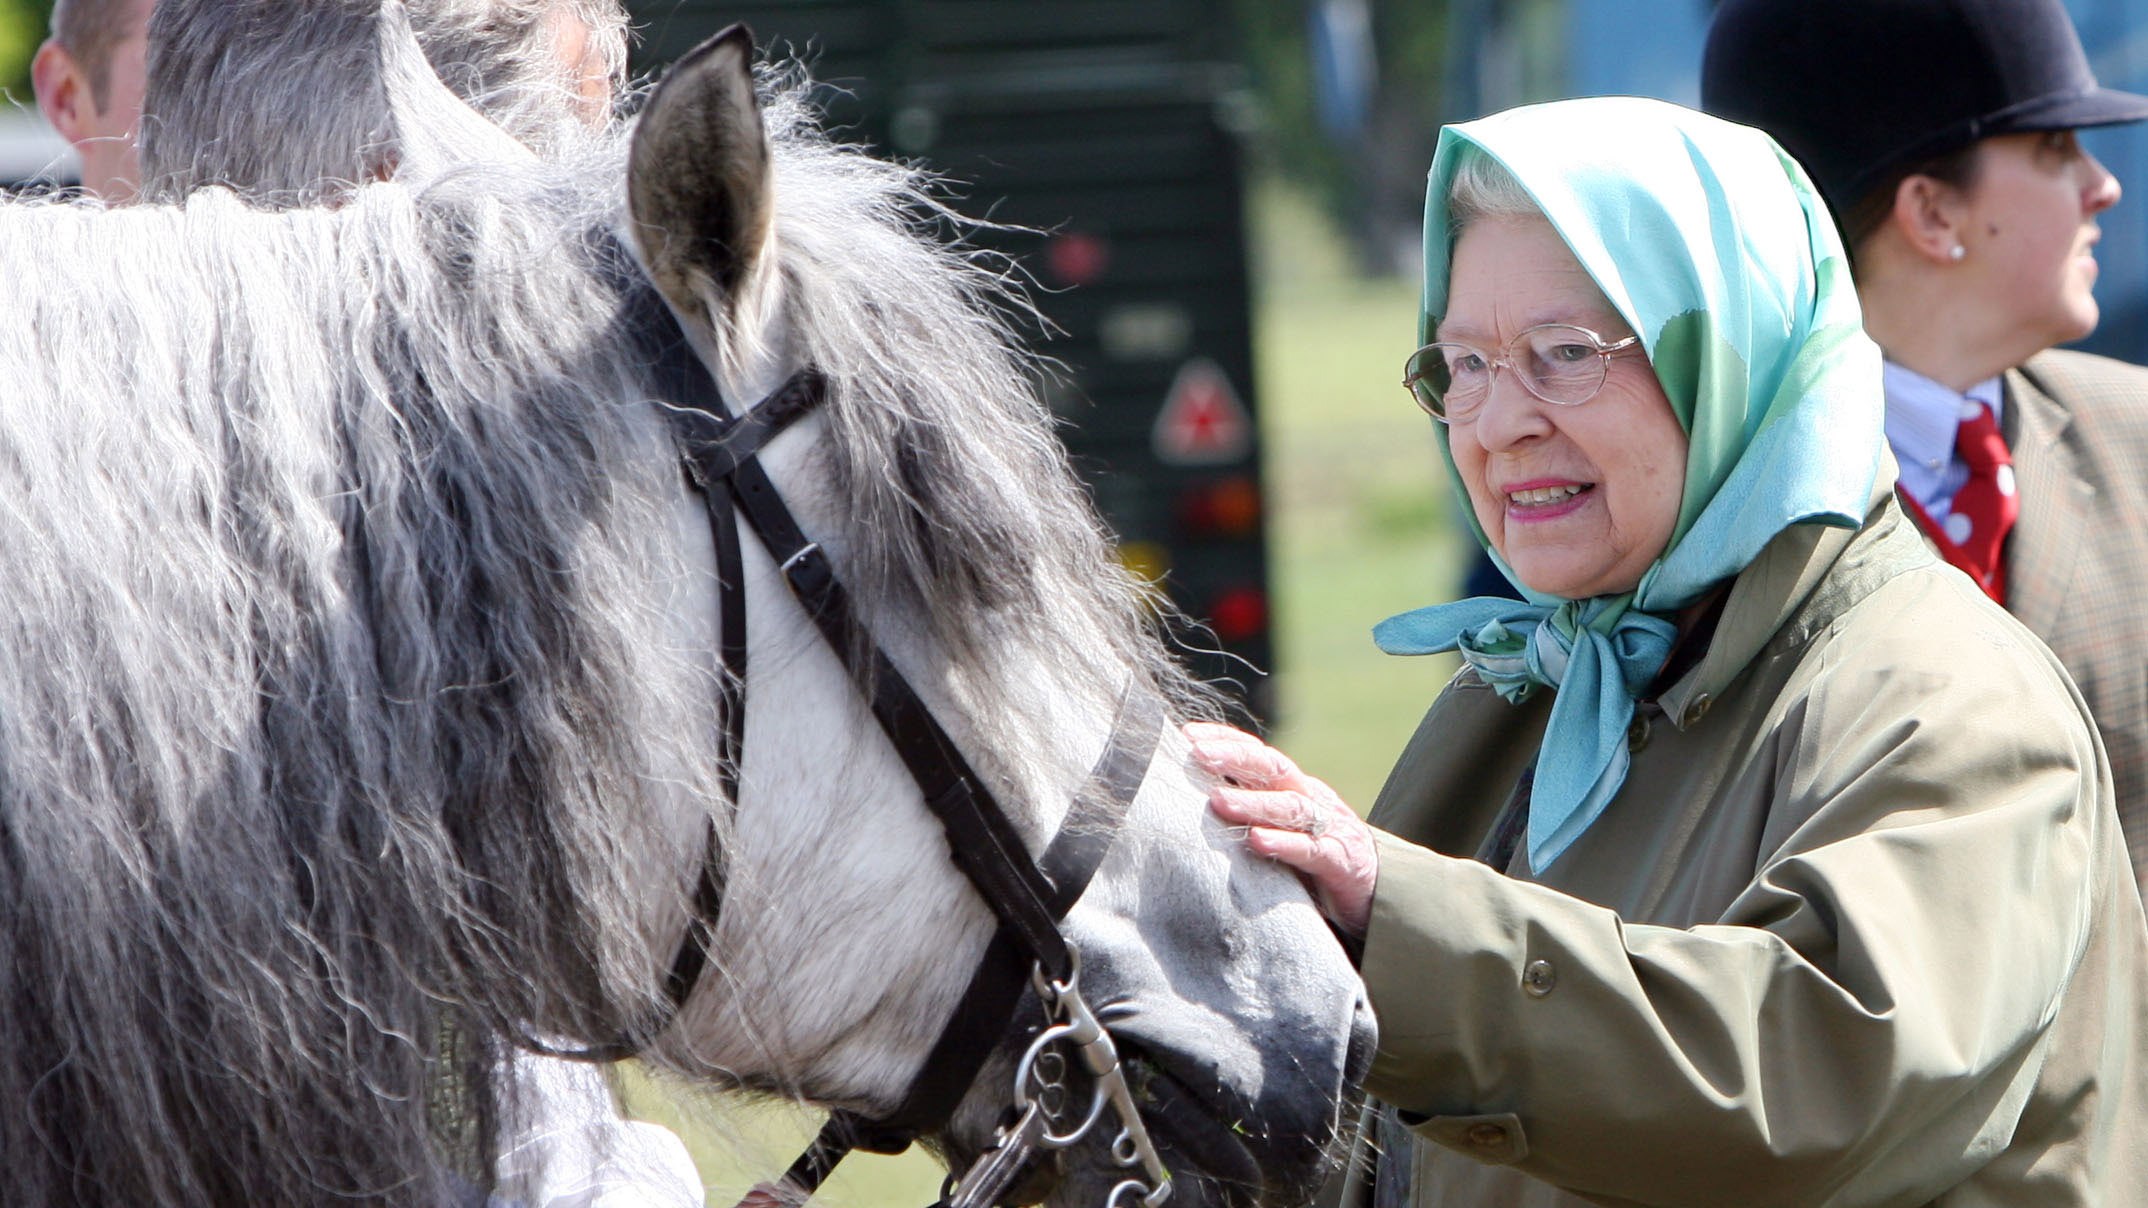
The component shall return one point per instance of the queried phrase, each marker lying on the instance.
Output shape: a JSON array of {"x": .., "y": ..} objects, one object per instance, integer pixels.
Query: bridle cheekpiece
[{"x": 1030, "y": 896}]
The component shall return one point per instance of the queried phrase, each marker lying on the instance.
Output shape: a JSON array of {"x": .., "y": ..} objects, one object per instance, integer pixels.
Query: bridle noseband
[{"x": 1030, "y": 896}]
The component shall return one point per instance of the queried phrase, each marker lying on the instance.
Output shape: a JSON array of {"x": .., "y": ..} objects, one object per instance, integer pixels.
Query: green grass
[
  {"x": 738, "y": 1143},
  {"x": 1359, "y": 524},
  {"x": 1359, "y": 529}
]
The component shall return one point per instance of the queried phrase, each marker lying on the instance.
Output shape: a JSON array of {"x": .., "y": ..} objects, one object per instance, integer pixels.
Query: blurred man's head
[
  {"x": 515, "y": 60},
  {"x": 89, "y": 76},
  {"x": 511, "y": 58}
]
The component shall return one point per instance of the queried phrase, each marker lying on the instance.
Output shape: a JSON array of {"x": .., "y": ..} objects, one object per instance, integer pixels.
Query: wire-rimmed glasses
[{"x": 1557, "y": 362}]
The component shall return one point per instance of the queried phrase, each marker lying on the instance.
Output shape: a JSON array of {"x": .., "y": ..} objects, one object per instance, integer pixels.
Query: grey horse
[{"x": 356, "y": 712}]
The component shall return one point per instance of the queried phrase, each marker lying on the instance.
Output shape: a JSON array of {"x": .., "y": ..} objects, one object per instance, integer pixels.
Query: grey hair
[
  {"x": 1482, "y": 187},
  {"x": 499, "y": 56},
  {"x": 290, "y": 137},
  {"x": 335, "y": 691},
  {"x": 301, "y": 137}
]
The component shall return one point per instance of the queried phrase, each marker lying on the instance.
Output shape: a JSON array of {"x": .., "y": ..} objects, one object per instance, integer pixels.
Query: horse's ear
[{"x": 697, "y": 177}]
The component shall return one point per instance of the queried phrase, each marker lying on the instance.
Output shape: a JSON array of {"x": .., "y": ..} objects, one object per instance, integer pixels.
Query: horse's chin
[
  {"x": 1215, "y": 1158},
  {"x": 1086, "y": 1177},
  {"x": 1211, "y": 1167},
  {"x": 1260, "y": 1122},
  {"x": 1221, "y": 1149}
]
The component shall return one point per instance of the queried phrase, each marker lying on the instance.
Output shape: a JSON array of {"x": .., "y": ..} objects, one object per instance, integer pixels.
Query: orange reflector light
[{"x": 1225, "y": 507}]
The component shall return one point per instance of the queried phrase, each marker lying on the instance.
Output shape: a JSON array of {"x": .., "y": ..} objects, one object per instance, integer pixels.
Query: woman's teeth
[{"x": 1542, "y": 495}]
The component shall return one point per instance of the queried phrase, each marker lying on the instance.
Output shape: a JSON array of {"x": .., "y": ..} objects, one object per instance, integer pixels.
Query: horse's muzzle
[{"x": 1273, "y": 1148}]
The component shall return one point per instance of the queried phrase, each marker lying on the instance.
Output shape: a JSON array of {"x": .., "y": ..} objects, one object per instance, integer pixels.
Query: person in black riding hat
[{"x": 1943, "y": 135}]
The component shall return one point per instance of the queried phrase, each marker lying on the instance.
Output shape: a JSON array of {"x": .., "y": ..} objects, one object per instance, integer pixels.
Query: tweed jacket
[
  {"x": 2077, "y": 561},
  {"x": 1858, "y": 929}
]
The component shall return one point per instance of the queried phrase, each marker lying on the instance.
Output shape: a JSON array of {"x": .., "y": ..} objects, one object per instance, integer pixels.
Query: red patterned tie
[{"x": 1974, "y": 533}]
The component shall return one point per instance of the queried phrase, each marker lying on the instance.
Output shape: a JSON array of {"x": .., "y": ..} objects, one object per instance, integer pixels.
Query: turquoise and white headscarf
[{"x": 1714, "y": 246}]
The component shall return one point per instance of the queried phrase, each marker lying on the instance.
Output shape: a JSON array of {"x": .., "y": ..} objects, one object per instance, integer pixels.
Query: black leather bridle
[{"x": 1030, "y": 896}]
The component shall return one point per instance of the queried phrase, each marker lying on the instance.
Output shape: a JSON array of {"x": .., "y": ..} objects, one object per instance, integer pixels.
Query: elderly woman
[{"x": 1756, "y": 857}]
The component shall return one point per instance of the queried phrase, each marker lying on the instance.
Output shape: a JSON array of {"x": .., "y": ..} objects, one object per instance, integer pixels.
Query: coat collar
[{"x": 1767, "y": 596}]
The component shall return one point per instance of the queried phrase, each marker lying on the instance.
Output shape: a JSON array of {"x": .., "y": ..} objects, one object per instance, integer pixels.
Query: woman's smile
[{"x": 1542, "y": 500}]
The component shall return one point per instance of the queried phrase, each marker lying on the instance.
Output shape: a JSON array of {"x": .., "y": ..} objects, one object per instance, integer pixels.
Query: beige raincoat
[{"x": 1858, "y": 929}]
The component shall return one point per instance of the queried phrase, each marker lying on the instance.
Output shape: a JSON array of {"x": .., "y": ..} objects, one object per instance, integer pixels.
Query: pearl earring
[{"x": 1957, "y": 253}]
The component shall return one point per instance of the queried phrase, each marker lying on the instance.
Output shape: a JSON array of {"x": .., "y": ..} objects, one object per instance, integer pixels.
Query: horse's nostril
[
  {"x": 1216, "y": 1148},
  {"x": 1364, "y": 1043}
]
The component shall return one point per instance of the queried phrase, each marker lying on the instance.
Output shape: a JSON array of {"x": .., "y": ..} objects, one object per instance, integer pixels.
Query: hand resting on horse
[{"x": 1291, "y": 818}]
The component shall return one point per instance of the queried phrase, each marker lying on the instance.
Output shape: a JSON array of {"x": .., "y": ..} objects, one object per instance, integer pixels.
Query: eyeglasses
[{"x": 1557, "y": 362}]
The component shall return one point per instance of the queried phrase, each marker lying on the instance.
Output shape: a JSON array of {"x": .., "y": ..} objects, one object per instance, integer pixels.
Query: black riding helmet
[{"x": 1854, "y": 88}]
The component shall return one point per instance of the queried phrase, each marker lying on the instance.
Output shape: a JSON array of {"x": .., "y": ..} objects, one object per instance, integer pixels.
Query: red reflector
[
  {"x": 1239, "y": 614},
  {"x": 1077, "y": 257}
]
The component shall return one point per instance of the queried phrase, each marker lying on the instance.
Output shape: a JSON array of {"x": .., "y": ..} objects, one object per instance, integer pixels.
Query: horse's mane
[
  {"x": 329, "y": 641},
  {"x": 334, "y": 691}
]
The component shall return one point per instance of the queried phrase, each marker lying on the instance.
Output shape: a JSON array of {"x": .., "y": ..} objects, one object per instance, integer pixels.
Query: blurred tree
[
  {"x": 22, "y": 27},
  {"x": 1363, "y": 156}
]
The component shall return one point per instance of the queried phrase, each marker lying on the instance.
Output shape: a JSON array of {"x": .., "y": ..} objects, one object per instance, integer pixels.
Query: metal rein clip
[{"x": 1042, "y": 1068}]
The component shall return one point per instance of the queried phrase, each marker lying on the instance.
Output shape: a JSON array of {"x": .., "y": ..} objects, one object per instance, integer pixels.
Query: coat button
[
  {"x": 1637, "y": 733},
  {"x": 1699, "y": 708},
  {"x": 1538, "y": 978},
  {"x": 1486, "y": 1136}
]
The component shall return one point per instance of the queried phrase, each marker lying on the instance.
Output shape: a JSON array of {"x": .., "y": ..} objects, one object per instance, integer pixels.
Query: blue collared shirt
[{"x": 1922, "y": 416}]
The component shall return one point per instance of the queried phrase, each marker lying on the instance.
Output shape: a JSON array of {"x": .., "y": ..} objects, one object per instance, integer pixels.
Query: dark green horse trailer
[{"x": 1106, "y": 132}]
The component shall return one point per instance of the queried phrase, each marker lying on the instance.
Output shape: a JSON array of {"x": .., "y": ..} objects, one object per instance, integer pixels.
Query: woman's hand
[{"x": 1291, "y": 818}]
